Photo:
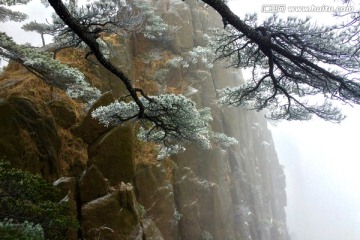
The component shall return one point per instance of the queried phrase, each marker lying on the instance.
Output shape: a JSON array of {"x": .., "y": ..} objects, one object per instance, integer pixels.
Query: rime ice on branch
[
  {"x": 169, "y": 120},
  {"x": 290, "y": 61}
]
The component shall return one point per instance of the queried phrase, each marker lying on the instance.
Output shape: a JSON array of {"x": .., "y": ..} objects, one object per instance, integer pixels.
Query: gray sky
[{"x": 38, "y": 13}]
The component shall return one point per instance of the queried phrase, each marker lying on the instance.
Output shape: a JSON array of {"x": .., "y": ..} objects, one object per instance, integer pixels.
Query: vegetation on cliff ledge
[{"x": 30, "y": 205}]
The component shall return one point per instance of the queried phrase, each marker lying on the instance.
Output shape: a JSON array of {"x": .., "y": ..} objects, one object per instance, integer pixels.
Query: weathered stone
[
  {"x": 64, "y": 114},
  {"x": 157, "y": 196},
  {"x": 28, "y": 138},
  {"x": 180, "y": 16},
  {"x": 121, "y": 57},
  {"x": 68, "y": 191},
  {"x": 92, "y": 184},
  {"x": 113, "y": 154},
  {"x": 186, "y": 193},
  {"x": 67, "y": 187},
  {"x": 10, "y": 143},
  {"x": 90, "y": 129},
  {"x": 110, "y": 217},
  {"x": 151, "y": 232}
]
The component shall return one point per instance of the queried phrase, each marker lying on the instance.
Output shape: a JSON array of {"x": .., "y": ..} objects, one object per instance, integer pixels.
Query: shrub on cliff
[
  {"x": 25, "y": 197},
  {"x": 9, "y": 230}
]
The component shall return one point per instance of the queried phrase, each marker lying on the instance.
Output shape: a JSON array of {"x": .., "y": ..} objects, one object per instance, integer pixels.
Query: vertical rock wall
[
  {"x": 236, "y": 193},
  {"x": 232, "y": 193}
]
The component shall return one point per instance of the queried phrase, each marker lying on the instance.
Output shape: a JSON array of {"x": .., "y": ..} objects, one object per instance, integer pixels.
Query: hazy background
[
  {"x": 321, "y": 160},
  {"x": 322, "y": 174}
]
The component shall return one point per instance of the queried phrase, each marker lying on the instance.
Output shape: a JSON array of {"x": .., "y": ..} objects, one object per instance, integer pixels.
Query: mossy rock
[
  {"x": 64, "y": 114},
  {"x": 113, "y": 154},
  {"x": 109, "y": 217},
  {"x": 156, "y": 194},
  {"x": 68, "y": 192},
  {"x": 29, "y": 138},
  {"x": 92, "y": 185},
  {"x": 90, "y": 129}
]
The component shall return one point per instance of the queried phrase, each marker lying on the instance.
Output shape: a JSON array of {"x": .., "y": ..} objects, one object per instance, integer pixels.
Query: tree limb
[{"x": 91, "y": 42}]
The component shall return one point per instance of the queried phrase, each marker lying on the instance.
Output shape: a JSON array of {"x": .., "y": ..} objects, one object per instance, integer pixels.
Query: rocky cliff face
[
  {"x": 236, "y": 193},
  {"x": 121, "y": 191}
]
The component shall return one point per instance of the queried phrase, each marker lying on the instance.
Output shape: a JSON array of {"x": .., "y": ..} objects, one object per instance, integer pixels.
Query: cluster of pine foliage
[{"x": 30, "y": 207}]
